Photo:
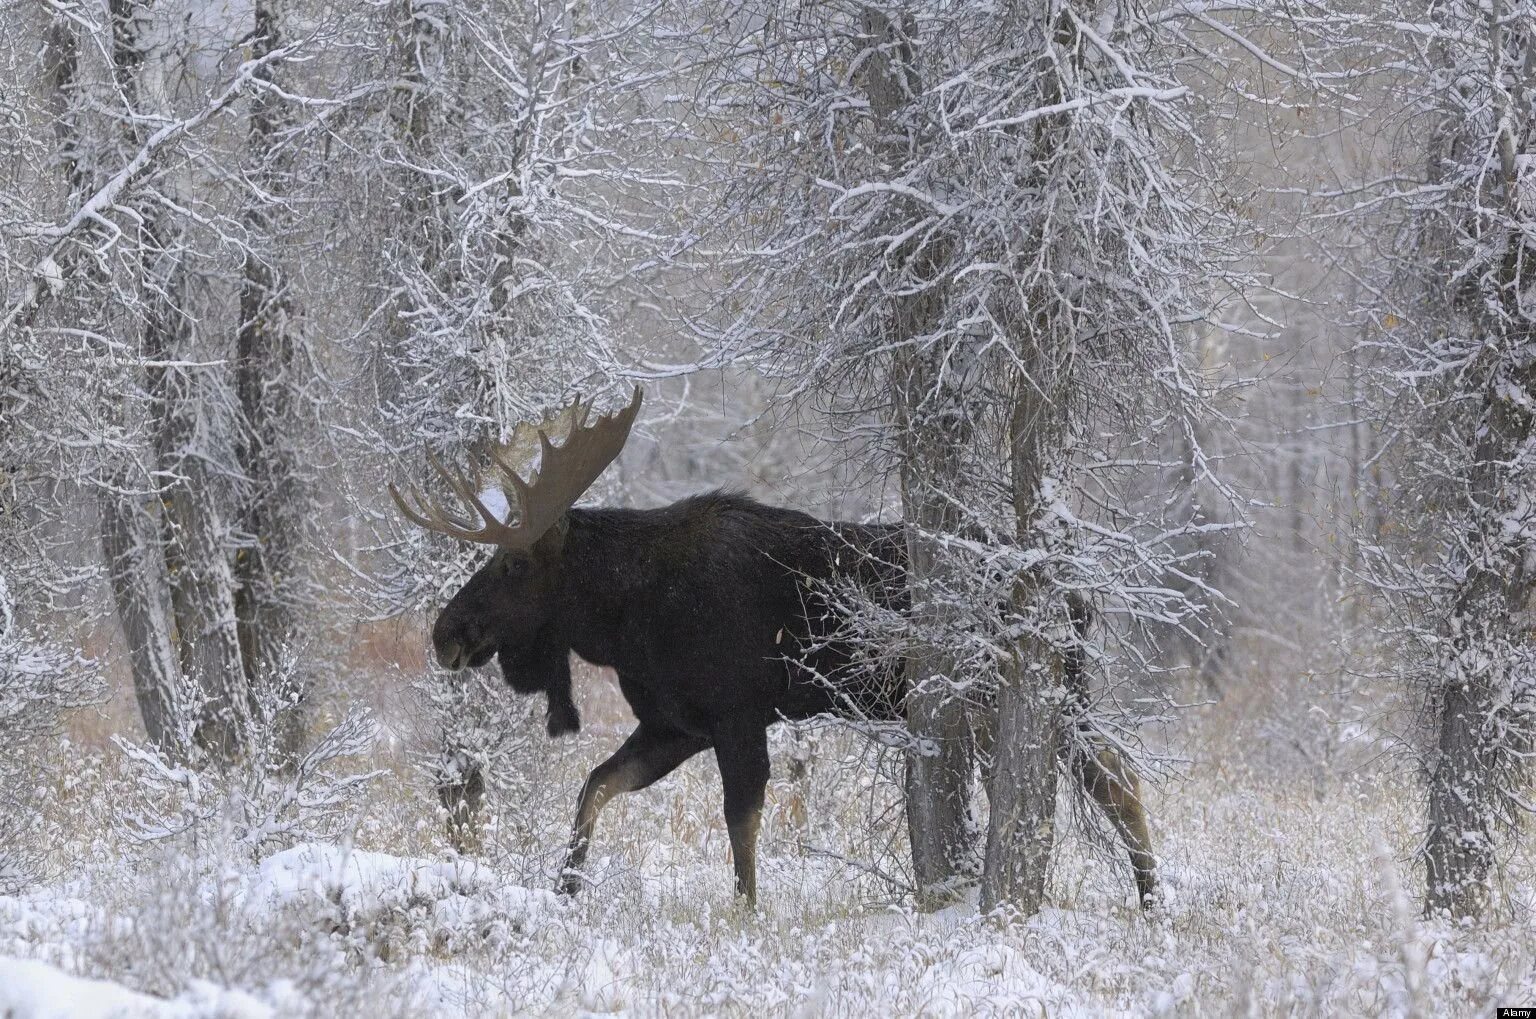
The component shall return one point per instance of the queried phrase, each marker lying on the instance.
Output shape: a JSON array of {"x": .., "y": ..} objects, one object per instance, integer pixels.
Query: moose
[{"x": 708, "y": 609}]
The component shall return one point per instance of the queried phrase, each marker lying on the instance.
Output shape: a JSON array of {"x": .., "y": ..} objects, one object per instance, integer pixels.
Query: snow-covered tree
[
  {"x": 173, "y": 406},
  {"x": 506, "y": 173},
  {"x": 278, "y": 386},
  {"x": 994, "y": 228},
  {"x": 1450, "y": 351}
]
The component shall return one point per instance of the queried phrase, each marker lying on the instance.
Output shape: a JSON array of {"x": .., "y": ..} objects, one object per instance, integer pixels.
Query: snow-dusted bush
[
  {"x": 259, "y": 805},
  {"x": 1282, "y": 899},
  {"x": 270, "y": 798},
  {"x": 39, "y": 681}
]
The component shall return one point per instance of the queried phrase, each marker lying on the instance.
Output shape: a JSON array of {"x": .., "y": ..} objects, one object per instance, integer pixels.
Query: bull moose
[{"x": 707, "y": 609}]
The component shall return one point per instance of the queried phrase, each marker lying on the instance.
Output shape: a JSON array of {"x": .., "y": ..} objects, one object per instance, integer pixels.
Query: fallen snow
[
  {"x": 36, "y": 990},
  {"x": 351, "y": 885},
  {"x": 1279, "y": 899}
]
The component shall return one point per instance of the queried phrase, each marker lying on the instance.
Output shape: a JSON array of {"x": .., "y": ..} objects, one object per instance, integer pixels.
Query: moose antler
[{"x": 565, "y": 472}]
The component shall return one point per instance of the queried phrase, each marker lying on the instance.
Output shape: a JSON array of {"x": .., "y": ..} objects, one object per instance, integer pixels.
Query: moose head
[{"x": 510, "y": 607}]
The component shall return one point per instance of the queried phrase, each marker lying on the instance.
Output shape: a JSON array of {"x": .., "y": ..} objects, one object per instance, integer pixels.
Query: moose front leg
[
  {"x": 743, "y": 760},
  {"x": 649, "y": 755}
]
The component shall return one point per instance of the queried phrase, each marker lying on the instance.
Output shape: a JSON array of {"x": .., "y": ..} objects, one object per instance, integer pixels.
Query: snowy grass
[{"x": 1289, "y": 891}]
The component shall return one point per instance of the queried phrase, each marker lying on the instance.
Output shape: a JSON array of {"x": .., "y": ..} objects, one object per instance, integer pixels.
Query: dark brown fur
[{"x": 709, "y": 611}]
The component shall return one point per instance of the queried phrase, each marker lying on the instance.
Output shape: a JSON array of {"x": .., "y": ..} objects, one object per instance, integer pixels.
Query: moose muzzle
[{"x": 454, "y": 655}]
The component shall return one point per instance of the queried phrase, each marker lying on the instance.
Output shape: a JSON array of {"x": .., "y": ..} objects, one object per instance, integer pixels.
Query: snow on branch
[{"x": 47, "y": 277}]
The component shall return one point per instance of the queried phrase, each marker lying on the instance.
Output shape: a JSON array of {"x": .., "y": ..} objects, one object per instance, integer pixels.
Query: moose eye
[{"x": 513, "y": 566}]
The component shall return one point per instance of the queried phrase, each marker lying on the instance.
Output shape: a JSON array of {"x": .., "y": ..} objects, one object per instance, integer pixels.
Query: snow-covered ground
[{"x": 1286, "y": 893}]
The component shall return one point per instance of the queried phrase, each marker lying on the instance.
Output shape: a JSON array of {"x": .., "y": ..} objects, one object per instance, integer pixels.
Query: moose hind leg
[
  {"x": 1114, "y": 788},
  {"x": 650, "y": 754},
  {"x": 743, "y": 761}
]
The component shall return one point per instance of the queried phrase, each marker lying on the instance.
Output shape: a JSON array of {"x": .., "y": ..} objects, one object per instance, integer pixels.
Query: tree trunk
[
  {"x": 165, "y": 574},
  {"x": 130, "y": 542},
  {"x": 268, "y": 564},
  {"x": 934, "y": 431},
  {"x": 1483, "y": 723},
  {"x": 424, "y": 227},
  {"x": 130, "y": 539},
  {"x": 939, "y": 767},
  {"x": 1482, "y": 746},
  {"x": 1459, "y": 848},
  {"x": 1021, "y": 788},
  {"x": 194, "y": 532}
]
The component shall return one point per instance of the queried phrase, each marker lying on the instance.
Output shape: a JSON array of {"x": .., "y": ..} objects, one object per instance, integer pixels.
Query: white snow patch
[
  {"x": 49, "y": 919},
  {"x": 36, "y": 990},
  {"x": 362, "y": 886},
  {"x": 603, "y": 981}
]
